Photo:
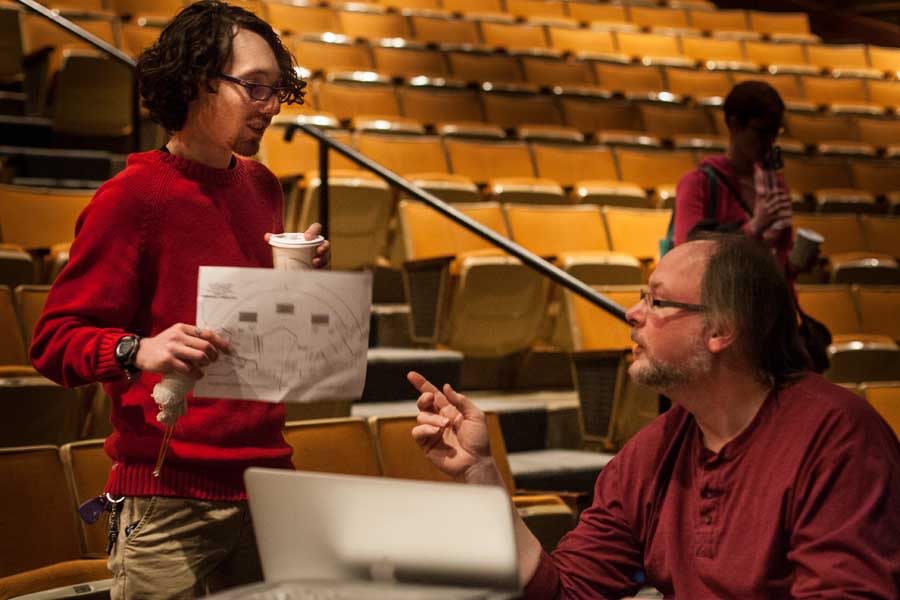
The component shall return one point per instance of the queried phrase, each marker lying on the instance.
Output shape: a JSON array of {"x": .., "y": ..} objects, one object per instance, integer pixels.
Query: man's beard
[{"x": 664, "y": 377}]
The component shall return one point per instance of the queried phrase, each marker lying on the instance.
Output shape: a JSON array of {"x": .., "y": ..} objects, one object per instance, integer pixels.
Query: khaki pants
[{"x": 180, "y": 548}]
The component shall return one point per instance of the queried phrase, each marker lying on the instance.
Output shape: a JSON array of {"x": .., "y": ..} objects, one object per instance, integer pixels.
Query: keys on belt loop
[{"x": 115, "y": 509}]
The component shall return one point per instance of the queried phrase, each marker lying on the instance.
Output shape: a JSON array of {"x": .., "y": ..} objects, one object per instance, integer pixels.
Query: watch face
[{"x": 125, "y": 346}]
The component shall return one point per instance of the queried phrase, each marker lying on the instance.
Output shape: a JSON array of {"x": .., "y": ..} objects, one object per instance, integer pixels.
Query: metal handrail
[
  {"x": 103, "y": 46},
  {"x": 529, "y": 258}
]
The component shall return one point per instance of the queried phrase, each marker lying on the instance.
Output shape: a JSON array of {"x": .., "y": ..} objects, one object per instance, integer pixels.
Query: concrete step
[
  {"x": 389, "y": 326},
  {"x": 12, "y": 103},
  {"x": 387, "y": 367}
]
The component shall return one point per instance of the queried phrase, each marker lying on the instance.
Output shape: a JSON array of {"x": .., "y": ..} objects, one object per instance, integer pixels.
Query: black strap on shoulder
[
  {"x": 714, "y": 176},
  {"x": 712, "y": 205}
]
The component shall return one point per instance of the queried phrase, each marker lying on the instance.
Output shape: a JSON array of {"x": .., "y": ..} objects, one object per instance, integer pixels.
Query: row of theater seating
[
  {"x": 45, "y": 484},
  {"x": 501, "y": 73},
  {"x": 596, "y": 173}
]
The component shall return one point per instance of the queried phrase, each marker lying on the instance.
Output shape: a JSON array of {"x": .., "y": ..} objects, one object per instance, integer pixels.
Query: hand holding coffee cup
[
  {"x": 293, "y": 251},
  {"x": 806, "y": 249}
]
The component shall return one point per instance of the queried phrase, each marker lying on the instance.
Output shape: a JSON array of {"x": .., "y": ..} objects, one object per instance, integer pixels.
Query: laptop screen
[{"x": 316, "y": 526}]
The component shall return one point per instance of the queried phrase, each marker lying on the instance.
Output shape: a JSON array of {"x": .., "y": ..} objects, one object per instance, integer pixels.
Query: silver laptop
[{"x": 340, "y": 536}]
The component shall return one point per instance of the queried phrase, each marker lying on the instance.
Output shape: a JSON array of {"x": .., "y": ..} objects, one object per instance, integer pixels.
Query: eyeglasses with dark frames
[
  {"x": 651, "y": 302},
  {"x": 257, "y": 91}
]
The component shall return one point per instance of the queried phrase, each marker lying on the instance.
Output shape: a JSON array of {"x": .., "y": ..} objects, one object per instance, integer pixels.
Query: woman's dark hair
[
  {"x": 743, "y": 285},
  {"x": 192, "y": 48},
  {"x": 753, "y": 99}
]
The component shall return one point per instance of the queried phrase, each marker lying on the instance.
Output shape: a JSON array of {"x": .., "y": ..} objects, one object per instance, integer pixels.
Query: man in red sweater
[
  {"x": 763, "y": 481},
  {"x": 122, "y": 311}
]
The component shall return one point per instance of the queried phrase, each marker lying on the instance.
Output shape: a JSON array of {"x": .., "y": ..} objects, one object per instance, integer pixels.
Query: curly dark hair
[{"x": 192, "y": 48}]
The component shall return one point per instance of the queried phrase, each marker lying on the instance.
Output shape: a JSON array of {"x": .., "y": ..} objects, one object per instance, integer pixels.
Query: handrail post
[{"x": 323, "y": 187}]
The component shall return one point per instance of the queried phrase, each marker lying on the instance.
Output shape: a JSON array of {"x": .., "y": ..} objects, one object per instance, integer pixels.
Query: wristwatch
[{"x": 126, "y": 354}]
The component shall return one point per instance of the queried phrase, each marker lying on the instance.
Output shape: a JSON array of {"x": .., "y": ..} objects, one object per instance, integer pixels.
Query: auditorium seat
[
  {"x": 826, "y": 180},
  {"x": 780, "y": 58},
  {"x": 448, "y": 187},
  {"x": 547, "y": 71},
  {"x": 462, "y": 290},
  {"x": 576, "y": 238},
  {"x": 886, "y": 59},
  {"x": 436, "y": 101},
  {"x": 41, "y": 541},
  {"x": 885, "y": 398},
  {"x": 882, "y": 235},
  {"x": 843, "y": 60},
  {"x": 879, "y": 132},
  {"x": 654, "y": 169},
  {"x": 440, "y": 29},
  {"x": 787, "y": 86},
  {"x": 12, "y": 45},
  {"x": 30, "y": 301},
  {"x": 705, "y": 87},
  {"x": 481, "y": 160},
  {"x": 636, "y": 231},
  {"x": 360, "y": 208},
  {"x": 405, "y": 58},
  {"x": 87, "y": 467},
  {"x": 139, "y": 35},
  {"x": 845, "y": 96},
  {"x": 329, "y": 52},
  {"x": 343, "y": 445},
  {"x": 576, "y": 165},
  {"x": 782, "y": 26},
  {"x": 473, "y": 6},
  {"x": 42, "y": 33},
  {"x": 847, "y": 250},
  {"x": 526, "y": 190},
  {"x": 601, "y": 15},
  {"x": 653, "y": 49},
  {"x": 685, "y": 126},
  {"x": 585, "y": 43},
  {"x": 16, "y": 266},
  {"x": 831, "y": 134},
  {"x": 513, "y": 36},
  {"x": 356, "y": 93},
  {"x": 634, "y": 82},
  {"x": 403, "y": 154},
  {"x": 13, "y": 352},
  {"x": 662, "y": 19},
  {"x": 723, "y": 24},
  {"x": 855, "y": 355},
  {"x": 880, "y": 177},
  {"x": 92, "y": 96},
  {"x": 291, "y": 159},
  {"x": 878, "y": 309},
  {"x": 293, "y": 19},
  {"x": 37, "y": 218},
  {"x": 514, "y": 106},
  {"x": 411, "y": 5},
  {"x": 369, "y": 21},
  {"x": 885, "y": 93},
  {"x": 524, "y": 9},
  {"x": 478, "y": 65},
  {"x": 600, "y": 345},
  {"x": 158, "y": 9},
  {"x": 716, "y": 54}
]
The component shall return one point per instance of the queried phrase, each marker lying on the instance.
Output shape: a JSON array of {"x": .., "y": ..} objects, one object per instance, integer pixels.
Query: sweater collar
[{"x": 203, "y": 173}]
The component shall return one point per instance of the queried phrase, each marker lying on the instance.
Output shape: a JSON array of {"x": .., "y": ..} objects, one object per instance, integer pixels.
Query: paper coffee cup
[
  {"x": 292, "y": 251},
  {"x": 806, "y": 245}
]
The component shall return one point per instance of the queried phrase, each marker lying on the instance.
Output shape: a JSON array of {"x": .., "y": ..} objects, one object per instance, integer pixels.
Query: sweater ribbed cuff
[{"x": 107, "y": 369}]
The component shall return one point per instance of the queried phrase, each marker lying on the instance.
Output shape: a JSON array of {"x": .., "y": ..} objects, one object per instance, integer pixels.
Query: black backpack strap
[{"x": 712, "y": 204}]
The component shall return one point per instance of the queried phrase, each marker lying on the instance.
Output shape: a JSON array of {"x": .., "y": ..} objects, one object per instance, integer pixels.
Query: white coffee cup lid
[
  {"x": 293, "y": 240},
  {"x": 813, "y": 236}
]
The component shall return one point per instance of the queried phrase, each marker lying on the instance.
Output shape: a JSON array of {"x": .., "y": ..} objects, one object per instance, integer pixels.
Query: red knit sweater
[{"x": 133, "y": 269}]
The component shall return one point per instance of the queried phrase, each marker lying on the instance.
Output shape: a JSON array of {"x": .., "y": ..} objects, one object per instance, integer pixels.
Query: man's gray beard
[{"x": 664, "y": 377}]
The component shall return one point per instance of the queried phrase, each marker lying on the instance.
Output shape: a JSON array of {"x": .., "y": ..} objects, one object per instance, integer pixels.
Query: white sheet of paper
[{"x": 298, "y": 336}]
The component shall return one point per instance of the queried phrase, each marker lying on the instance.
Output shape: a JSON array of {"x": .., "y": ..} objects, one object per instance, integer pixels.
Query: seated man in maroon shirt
[{"x": 763, "y": 481}]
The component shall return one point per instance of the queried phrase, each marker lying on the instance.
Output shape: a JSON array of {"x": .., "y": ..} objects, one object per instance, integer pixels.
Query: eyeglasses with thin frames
[
  {"x": 651, "y": 302},
  {"x": 257, "y": 91}
]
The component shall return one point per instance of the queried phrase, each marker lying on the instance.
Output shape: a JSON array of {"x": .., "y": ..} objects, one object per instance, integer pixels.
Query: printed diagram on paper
[{"x": 298, "y": 336}]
